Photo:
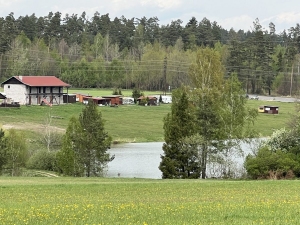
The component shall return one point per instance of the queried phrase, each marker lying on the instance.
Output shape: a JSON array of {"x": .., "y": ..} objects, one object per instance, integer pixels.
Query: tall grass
[{"x": 139, "y": 201}]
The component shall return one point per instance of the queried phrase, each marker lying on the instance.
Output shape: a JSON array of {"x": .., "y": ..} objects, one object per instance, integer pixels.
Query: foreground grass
[{"x": 139, "y": 201}]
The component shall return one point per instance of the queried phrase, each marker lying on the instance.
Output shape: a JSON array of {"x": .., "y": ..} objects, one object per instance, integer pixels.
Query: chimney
[{"x": 21, "y": 77}]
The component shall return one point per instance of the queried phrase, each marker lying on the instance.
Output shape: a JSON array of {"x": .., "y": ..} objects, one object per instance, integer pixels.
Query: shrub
[
  {"x": 136, "y": 93},
  {"x": 42, "y": 160},
  {"x": 269, "y": 164},
  {"x": 117, "y": 91}
]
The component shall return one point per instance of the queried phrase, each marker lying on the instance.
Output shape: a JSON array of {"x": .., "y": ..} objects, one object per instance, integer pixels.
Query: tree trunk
[
  {"x": 203, "y": 161},
  {"x": 291, "y": 86},
  {"x": 1, "y": 65}
]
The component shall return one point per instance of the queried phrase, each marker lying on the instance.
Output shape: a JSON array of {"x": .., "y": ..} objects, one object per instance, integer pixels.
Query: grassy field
[
  {"x": 101, "y": 92},
  {"x": 267, "y": 123},
  {"x": 124, "y": 123},
  {"x": 138, "y": 201}
]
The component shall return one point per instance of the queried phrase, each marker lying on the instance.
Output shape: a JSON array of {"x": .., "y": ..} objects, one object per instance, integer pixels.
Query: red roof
[{"x": 40, "y": 81}]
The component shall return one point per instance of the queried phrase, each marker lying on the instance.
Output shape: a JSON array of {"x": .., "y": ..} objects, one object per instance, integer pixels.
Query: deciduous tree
[
  {"x": 17, "y": 153},
  {"x": 205, "y": 122},
  {"x": 3, "y": 152}
]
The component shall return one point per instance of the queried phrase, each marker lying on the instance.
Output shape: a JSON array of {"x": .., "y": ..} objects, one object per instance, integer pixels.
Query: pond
[{"x": 141, "y": 160}]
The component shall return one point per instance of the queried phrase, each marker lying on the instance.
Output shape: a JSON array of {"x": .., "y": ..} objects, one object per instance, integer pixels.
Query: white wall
[{"x": 16, "y": 92}]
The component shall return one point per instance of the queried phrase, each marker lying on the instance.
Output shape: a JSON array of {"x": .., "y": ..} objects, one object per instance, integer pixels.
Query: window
[{"x": 8, "y": 86}]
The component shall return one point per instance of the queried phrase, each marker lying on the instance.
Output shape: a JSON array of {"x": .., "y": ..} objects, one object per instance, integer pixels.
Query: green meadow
[
  {"x": 141, "y": 201},
  {"x": 265, "y": 124},
  {"x": 123, "y": 123},
  {"x": 126, "y": 123},
  {"x": 101, "y": 92}
]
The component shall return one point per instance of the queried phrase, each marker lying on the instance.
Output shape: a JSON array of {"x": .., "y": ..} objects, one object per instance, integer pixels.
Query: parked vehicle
[
  {"x": 165, "y": 98},
  {"x": 128, "y": 101},
  {"x": 254, "y": 97}
]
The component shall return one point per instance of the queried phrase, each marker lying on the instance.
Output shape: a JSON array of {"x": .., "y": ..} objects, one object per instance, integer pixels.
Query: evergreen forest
[{"x": 126, "y": 53}]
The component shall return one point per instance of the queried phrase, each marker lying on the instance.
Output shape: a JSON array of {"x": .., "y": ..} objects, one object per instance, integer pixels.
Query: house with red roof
[{"x": 35, "y": 90}]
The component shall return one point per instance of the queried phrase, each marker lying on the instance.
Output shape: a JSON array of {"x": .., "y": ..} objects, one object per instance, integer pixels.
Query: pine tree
[
  {"x": 95, "y": 141},
  {"x": 68, "y": 160},
  {"x": 85, "y": 144},
  {"x": 179, "y": 125}
]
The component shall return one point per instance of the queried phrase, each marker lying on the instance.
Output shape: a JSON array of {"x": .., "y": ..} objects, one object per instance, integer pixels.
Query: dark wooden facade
[
  {"x": 268, "y": 109},
  {"x": 114, "y": 99}
]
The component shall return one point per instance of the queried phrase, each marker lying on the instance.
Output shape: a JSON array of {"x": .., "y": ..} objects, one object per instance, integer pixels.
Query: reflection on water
[{"x": 141, "y": 160}]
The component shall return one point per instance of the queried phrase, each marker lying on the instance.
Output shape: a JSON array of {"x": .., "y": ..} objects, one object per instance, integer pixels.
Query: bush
[
  {"x": 42, "y": 160},
  {"x": 117, "y": 91},
  {"x": 136, "y": 93},
  {"x": 144, "y": 101},
  {"x": 269, "y": 164}
]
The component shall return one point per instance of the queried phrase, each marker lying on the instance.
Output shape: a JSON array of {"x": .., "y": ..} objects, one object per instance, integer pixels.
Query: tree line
[{"x": 141, "y": 53}]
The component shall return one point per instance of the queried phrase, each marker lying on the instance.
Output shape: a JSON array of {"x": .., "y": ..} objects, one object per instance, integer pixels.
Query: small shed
[
  {"x": 114, "y": 99},
  {"x": 149, "y": 100},
  {"x": 2, "y": 96},
  {"x": 80, "y": 97},
  {"x": 7, "y": 102},
  {"x": 69, "y": 98},
  {"x": 268, "y": 109},
  {"x": 97, "y": 100},
  {"x": 3, "y": 99}
]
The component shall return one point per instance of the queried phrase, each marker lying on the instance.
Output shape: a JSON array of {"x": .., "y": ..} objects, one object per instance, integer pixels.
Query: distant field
[
  {"x": 140, "y": 201},
  {"x": 125, "y": 123},
  {"x": 267, "y": 123},
  {"x": 101, "y": 92}
]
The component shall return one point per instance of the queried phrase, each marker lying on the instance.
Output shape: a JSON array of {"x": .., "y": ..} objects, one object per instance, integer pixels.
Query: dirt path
[
  {"x": 46, "y": 174},
  {"x": 30, "y": 126}
]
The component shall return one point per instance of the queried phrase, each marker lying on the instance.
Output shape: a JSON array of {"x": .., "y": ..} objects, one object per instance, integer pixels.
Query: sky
[{"x": 236, "y": 14}]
